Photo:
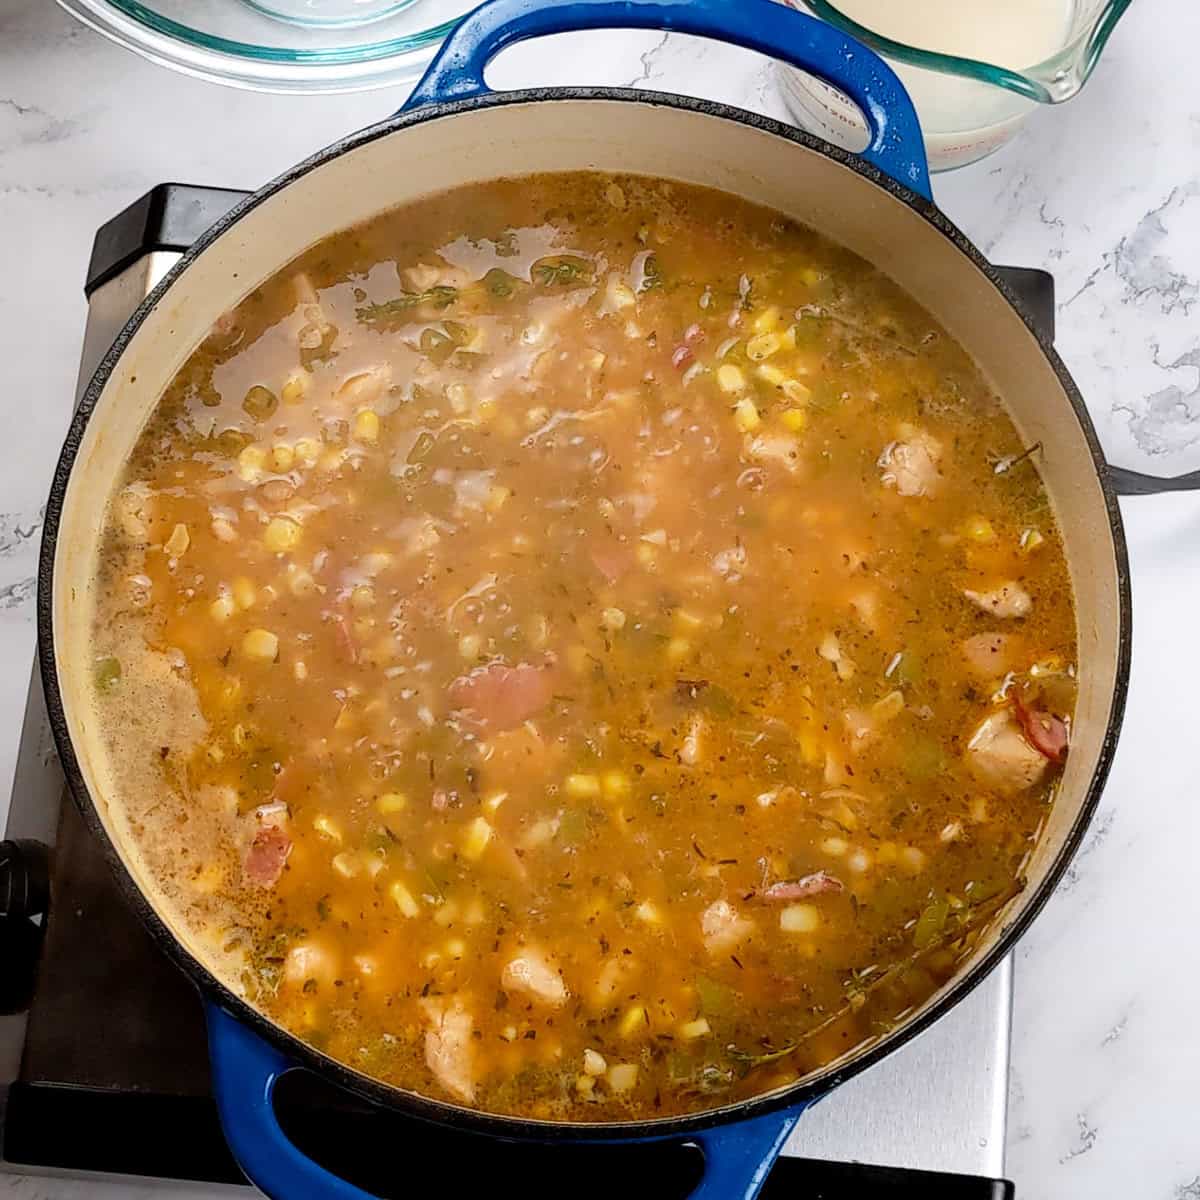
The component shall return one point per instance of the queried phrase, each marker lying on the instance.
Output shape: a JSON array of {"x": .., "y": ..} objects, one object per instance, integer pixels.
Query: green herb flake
[
  {"x": 391, "y": 311},
  {"x": 931, "y": 922},
  {"x": 107, "y": 674},
  {"x": 560, "y": 270},
  {"x": 716, "y": 999}
]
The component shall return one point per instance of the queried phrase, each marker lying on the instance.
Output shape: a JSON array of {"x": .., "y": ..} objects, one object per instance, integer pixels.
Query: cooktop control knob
[
  {"x": 24, "y": 878},
  {"x": 24, "y": 895}
]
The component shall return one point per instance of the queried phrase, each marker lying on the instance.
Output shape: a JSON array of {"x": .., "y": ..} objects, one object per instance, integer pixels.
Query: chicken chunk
[
  {"x": 999, "y": 756},
  {"x": 533, "y": 975},
  {"x": 1006, "y": 600},
  {"x": 990, "y": 655},
  {"x": 449, "y": 1046},
  {"x": 310, "y": 960},
  {"x": 912, "y": 466},
  {"x": 613, "y": 980},
  {"x": 776, "y": 448},
  {"x": 723, "y": 928}
]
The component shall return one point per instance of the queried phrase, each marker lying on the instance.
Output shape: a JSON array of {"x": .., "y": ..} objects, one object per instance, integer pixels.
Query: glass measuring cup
[{"x": 968, "y": 107}]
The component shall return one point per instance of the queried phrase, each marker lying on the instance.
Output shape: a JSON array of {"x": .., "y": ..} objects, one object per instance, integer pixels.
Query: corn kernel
[
  {"x": 698, "y": 1028},
  {"x": 582, "y": 787},
  {"x": 648, "y": 913},
  {"x": 308, "y": 450},
  {"x": 366, "y": 425},
  {"x": 615, "y": 785},
  {"x": 810, "y": 277},
  {"x": 493, "y": 802},
  {"x": 794, "y": 419},
  {"x": 447, "y": 912},
  {"x": 745, "y": 415},
  {"x": 300, "y": 670},
  {"x": 687, "y": 621},
  {"x": 1031, "y": 539},
  {"x": 455, "y": 948},
  {"x": 810, "y": 747},
  {"x": 391, "y": 802},
  {"x": 497, "y": 497},
  {"x": 730, "y": 378},
  {"x": 678, "y": 649},
  {"x": 633, "y": 1022},
  {"x": 979, "y": 529},
  {"x": 537, "y": 416},
  {"x": 612, "y": 619},
  {"x": 222, "y": 608},
  {"x": 469, "y": 646},
  {"x": 178, "y": 542},
  {"x": 251, "y": 461},
  {"x": 327, "y": 827},
  {"x": 260, "y": 643},
  {"x": 646, "y": 555},
  {"x": 403, "y": 899},
  {"x": 346, "y": 864},
  {"x": 788, "y": 338},
  {"x": 281, "y": 535},
  {"x": 799, "y": 918},
  {"x": 835, "y": 847},
  {"x": 474, "y": 913},
  {"x": 912, "y": 859},
  {"x": 300, "y": 582},
  {"x": 459, "y": 396},
  {"x": 295, "y": 387},
  {"x": 283, "y": 456},
  {"x": 585, "y": 1085},
  {"x": 769, "y": 374},
  {"x": 622, "y": 1077},
  {"x": 766, "y": 320},
  {"x": 509, "y": 1033},
  {"x": 476, "y": 838},
  {"x": 593, "y": 1062},
  {"x": 887, "y": 853},
  {"x": 797, "y": 392},
  {"x": 763, "y": 346}
]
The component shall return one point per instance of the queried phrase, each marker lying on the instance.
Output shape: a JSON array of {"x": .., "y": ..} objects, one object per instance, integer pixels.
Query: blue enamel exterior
[
  {"x": 737, "y": 1157},
  {"x": 773, "y": 29},
  {"x": 245, "y": 1070}
]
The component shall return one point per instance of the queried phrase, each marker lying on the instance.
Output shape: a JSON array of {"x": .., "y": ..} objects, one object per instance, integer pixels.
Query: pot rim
[{"x": 414, "y": 1104}]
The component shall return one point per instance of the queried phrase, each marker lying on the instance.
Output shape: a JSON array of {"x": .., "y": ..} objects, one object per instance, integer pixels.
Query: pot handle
[
  {"x": 896, "y": 147},
  {"x": 1134, "y": 483},
  {"x": 739, "y": 1157},
  {"x": 245, "y": 1070}
]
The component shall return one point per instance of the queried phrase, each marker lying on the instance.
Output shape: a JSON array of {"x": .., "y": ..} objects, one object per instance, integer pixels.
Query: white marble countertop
[{"x": 1104, "y": 192}]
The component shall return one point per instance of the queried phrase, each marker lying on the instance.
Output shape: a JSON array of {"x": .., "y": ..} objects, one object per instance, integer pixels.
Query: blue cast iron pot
[{"x": 455, "y": 131}]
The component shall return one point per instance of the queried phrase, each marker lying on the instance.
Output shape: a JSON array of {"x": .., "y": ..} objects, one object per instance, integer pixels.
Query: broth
[{"x": 583, "y": 647}]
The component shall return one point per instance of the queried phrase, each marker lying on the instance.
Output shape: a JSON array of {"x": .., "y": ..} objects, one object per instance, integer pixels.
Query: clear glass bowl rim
[
  {"x": 1050, "y": 82},
  {"x": 365, "y": 64}
]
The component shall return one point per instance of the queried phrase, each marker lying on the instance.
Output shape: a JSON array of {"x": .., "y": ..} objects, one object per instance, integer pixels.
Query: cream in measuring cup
[{"x": 965, "y": 113}]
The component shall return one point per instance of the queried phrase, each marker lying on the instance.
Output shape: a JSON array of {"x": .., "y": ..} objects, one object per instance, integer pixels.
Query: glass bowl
[{"x": 281, "y": 45}]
